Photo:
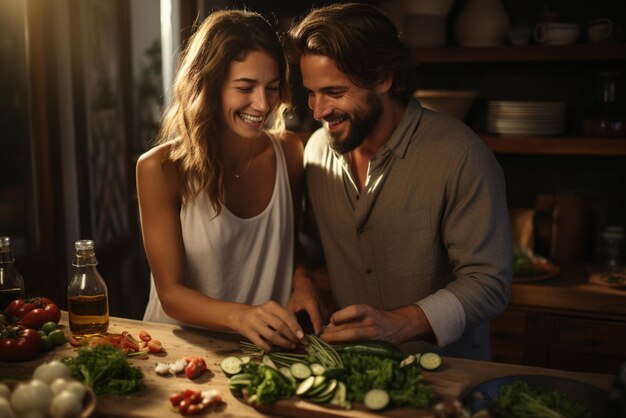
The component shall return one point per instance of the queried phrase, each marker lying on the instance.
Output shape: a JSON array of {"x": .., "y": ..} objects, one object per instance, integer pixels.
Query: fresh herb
[
  {"x": 317, "y": 351},
  {"x": 105, "y": 369},
  {"x": 521, "y": 400},
  {"x": 405, "y": 385}
]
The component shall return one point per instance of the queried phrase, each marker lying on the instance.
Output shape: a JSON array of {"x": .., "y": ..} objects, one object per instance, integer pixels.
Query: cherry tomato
[
  {"x": 19, "y": 344},
  {"x": 196, "y": 366}
]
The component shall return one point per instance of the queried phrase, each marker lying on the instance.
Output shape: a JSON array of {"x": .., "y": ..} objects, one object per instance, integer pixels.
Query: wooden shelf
[
  {"x": 527, "y": 53},
  {"x": 560, "y": 145}
]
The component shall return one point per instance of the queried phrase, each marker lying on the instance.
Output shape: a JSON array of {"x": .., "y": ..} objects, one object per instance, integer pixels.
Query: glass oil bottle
[
  {"x": 87, "y": 296},
  {"x": 11, "y": 281}
]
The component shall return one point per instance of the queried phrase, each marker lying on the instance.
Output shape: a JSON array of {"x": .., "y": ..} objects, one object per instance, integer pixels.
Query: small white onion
[
  {"x": 65, "y": 405},
  {"x": 59, "y": 385},
  {"x": 49, "y": 372},
  {"x": 41, "y": 395},
  {"x": 35, "y": 413},
  {"x": 21, "y": 399},
  {"x": 5, "y": 408},
  {"x": 5, "y": 392},
  {"x": 76, "y": 388}
]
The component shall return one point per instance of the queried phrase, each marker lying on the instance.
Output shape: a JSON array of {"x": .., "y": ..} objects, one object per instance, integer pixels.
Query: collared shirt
[{"x": 430, "y": 227}]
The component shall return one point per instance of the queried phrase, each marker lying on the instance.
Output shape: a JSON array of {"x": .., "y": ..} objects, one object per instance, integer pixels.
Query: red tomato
[
  {"x": 19, "y": 344},
  {"x": 196, "y": 366},
  {"x": 33, "y": 313}
]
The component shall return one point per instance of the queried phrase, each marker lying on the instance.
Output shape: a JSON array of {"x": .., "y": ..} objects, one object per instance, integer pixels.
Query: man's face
[{"x": 347, "y": 112}]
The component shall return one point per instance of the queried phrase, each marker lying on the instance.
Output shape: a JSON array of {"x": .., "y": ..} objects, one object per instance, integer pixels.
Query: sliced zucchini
[
  {"x": 245, "y": 359},
  {"x": 300, "y": 371},
  {"x": 325, "y": 396},
  {"x": 317, "y": 369},
  {"x": 407, "y": 361},
  {"x": 231, "y": 365},
  {"x": 305, "y": 385},
  {"x": 339, "y": 397},
  {"x": 319, "y": 385},
  {"x": 331, "y": 385},
  {"x": 376, "y": 399},
  {"x": 430, "y": 361},
  {"x": 285, "y": 371},
  {"x": 267, "y": 360}
]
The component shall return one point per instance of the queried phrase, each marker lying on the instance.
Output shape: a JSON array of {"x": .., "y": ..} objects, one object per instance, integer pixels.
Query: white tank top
[{"x": 246, "y": 260}]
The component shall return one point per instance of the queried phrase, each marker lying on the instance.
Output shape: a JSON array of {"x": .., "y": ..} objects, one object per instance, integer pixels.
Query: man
[{"x": 410, "y": 204}]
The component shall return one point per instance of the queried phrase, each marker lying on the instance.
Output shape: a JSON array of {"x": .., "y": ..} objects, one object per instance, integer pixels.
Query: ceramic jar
[{"x": 482, "y": 23}]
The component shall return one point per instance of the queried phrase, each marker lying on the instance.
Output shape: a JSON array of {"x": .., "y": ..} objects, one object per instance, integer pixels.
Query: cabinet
[
  {"x": 593, "y": 168},
  {"x": 540, "y": 327}
]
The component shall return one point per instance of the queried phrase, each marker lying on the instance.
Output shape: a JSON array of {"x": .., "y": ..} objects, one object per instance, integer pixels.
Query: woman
[{"x": 217, "y": 194}]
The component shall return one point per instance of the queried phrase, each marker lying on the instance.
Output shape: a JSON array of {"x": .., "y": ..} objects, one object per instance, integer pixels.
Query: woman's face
[{"x": 249, "y": 94}]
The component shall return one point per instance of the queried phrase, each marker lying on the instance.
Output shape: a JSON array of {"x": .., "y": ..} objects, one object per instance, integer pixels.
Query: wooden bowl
[
  {"x": 89, "y": 400},
  {"x": 453, "y": 102}
]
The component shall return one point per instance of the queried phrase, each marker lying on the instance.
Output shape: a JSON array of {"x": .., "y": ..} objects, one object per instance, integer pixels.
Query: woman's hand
[
  {"x": 268, "y": 325},
  {"x": 305, "y": 297}
]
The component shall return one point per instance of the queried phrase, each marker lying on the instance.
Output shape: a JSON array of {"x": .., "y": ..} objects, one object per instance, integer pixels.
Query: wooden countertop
[
  {"x": 455, "y": 376},
  {"x": 571, "y": 293}
]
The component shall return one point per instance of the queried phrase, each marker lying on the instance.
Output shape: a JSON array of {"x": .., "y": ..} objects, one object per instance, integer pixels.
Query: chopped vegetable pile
[
  {"x": 373, "y": 372},
  {"x": 105, "y": 369},
  {"x": 521, "y": 400}
]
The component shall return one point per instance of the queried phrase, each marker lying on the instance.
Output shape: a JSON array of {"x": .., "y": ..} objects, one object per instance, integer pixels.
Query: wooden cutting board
[
  {"x": 449, "y": 382},
  {"x": 444, "y": 388}
]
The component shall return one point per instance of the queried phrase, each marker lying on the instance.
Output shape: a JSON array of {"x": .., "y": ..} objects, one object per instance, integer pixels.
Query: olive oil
[
  {"x": 88, "y": 314},
  {"x": 87, "y": 296}
]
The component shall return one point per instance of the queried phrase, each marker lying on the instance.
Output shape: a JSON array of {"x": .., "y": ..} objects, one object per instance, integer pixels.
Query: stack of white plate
[{"x": 526, "y": 118}]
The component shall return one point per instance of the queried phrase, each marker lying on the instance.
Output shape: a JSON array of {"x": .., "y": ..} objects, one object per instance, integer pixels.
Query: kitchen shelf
[
  {"x": 527, "y": 53},
  {"x": 558, "y": 145}
]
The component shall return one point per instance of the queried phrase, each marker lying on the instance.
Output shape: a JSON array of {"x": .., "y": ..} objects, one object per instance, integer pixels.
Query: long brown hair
[
  {"x": 362, "y": 41},
  {"x": 191, "y": 124}
]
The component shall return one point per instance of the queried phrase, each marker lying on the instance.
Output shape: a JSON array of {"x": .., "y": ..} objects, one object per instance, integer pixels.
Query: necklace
[{"x": 238, "y": 175}]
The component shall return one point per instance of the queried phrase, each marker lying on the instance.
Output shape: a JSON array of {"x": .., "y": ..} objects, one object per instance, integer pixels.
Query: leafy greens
[
  {"x": 105, "y": 369},
  {"x": 521, "y": 400}
]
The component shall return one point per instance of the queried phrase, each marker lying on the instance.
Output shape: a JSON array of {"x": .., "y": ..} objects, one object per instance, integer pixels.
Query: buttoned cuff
[{"x": 445, "y": 314}]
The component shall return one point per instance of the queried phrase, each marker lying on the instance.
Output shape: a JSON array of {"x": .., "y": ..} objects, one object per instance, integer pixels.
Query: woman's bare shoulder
[
  {"x": 156, "y": 159},
  {"x": 155, "y": 168}
]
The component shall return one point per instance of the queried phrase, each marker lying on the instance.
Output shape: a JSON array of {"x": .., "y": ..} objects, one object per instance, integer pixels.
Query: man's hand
[
  {"x": 363, "y": 322},
  {"x": 305, "y": 297}
]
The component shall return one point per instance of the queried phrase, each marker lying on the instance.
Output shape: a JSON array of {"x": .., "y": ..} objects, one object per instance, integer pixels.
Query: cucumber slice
[
  {"x": 305, "y": 385},
  {"x": 339, "y": 397},
  {"x": 430, "y": 361},
  {"x": 317, "y": 369},
  {"x": 407, "y": 361},
  {"x": 267, "y": 360},
  {"x": 286, "y": 372},
  {"x": 329, "y": 389},
  {"x": 231, "y": 365},
  {"x": 327, "y": 395},
  {"x": 319, "y": 385},
  {"x": 376, "y": 399},
  {"x": 245, "y": 359},
  {"x": 300, "y": 371}
]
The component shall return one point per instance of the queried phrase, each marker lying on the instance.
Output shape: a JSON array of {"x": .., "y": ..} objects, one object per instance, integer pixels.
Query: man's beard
[{"x": 360, "y": 126}]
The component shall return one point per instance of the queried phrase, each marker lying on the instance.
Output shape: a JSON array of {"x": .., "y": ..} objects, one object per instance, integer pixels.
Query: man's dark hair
[{"x": 362, "y": 41}]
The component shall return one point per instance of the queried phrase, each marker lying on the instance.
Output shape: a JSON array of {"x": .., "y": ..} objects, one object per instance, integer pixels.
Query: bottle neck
[
  {"x": 6, "y": 256},
  {"x": 85, "y": 260}
]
